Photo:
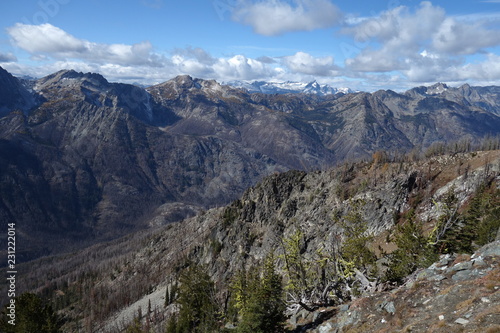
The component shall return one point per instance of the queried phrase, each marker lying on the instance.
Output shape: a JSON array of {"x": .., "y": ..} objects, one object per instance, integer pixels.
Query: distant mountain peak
[
  {"x": 288, "y": 87},
  {"x": 437, "y": 88},
  {"x": 69, "y": 77}
]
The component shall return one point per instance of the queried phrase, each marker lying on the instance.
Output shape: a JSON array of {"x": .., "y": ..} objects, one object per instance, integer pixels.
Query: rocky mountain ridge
[
  {"x": 83, "y": 160},
  {"x": 104, "y": 286},
  {"x": 289, "y": 87}
]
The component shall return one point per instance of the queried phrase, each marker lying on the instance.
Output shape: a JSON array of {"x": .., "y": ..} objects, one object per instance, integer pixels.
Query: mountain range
[
  {"x": 289, "y": 87},
  {"x": 83, "y": 160}
]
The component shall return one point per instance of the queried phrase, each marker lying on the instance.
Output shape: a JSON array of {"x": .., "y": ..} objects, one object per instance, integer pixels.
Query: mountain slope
[
  {"x": 14, "y": 95},
  {"x": 83, "y": 160},
  {"x": 88, "y": 164},
  {"x": 105, "y": 285}
]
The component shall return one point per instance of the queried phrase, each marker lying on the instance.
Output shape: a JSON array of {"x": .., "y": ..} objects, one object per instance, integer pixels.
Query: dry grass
[
  {"x": 491, "y": 280},
  {"x": 465, "y": 304},
  {"x": 461, "y": 258},
  {"x": 361, "y": 303},
  {"x": 440, "y": 327},
  {"x": 365, "y": 327},
  {"x": 447, "y": 290},
  {"x": 493, "y": 329},
  {"x": 493, "y": 310}
]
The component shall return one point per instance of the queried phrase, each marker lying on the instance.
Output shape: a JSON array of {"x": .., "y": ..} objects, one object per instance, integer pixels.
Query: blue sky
[{"x": 364, "y": 45}]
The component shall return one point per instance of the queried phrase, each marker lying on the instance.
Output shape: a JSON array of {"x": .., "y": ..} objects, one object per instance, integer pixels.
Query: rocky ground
[{"x": 459, "y": 293}]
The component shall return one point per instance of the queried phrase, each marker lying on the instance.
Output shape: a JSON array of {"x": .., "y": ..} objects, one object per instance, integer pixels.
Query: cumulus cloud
[
  {"x": 369, "y": 60},
  {"x": 424, "y": 46},
  {"x": 400, "y": 46},
  {"x": 45, "y": 38},
  {"x": 51, "y": 40},
  {"x": 240, "y": 67},
  {"x": 400, "y": 35},
  {"x": 197, "y": 53},
  {"x": 461, "y": 38},
  {"x": 276, "y": 17},
  {"x": 399, "y": 26},
  {"x": 266, "y": 60},
  {"x": 428, "y": 67},
  {"x": 186, "y": 65},
  {"x": 7, "y": 57},
  {"x": 305, "y": 63},
  {"x": 488, "y": 70},
  {"x": 123, "y": 62}
]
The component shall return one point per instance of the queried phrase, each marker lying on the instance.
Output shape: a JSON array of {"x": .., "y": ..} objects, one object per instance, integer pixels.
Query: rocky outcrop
[{"x": 457, "y": 293}]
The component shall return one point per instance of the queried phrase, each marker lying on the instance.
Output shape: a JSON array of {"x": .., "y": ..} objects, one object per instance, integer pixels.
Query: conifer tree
[
  {"x": 32, "y": 316},
  {"x": 354, "y": 248},
  {"x": 414, "y": 250},
  {"x": 258, "y": 297},
  {"x": 199, "y": 311}
]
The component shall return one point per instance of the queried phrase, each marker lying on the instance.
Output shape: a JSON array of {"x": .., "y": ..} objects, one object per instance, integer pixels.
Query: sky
[{"x": 364, "y": 45}]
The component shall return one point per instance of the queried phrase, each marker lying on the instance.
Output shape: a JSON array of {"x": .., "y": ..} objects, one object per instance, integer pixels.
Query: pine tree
[
  {"x": 478, "y": 225},
  {"x": 135, "y": 326},
  {"x": 414, "y": 251},
  {"x": 199, "y": 311},
  {"x": 259, "y": 299},
  {"x": 354, "y": 248}
]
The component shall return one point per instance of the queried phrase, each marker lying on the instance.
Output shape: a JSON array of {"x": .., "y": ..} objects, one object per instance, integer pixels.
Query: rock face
[
  {"x": 84, "y": 160},
  {"x": 14, "y": 95}
]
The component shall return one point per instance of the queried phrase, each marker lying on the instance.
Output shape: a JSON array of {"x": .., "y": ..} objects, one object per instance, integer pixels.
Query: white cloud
[
  {"x": 432, "y": 68},
  {"x": 399, "y": 35},
  {"x": 457, "y": 37},
  {"x": 194, "y": 67},
  {"x": 276, "y": 17},
  {"x": 197, "y": 53},
  {"x": 488, "y": 70},
  {"x": 126, "y": 62},
  {"x": 45, "y": 38},
  {"x": 53, "y": 41},
  {"x": 401, "y": 46},
  {"x": 424, "y": 46},
  {"x": 240, "y": 67},
  {"x": 370, "y": 60},
  {"x": 7, "y": 57},
  {"x": 398, "y": 26},
  {"x": 305, "y": 63}
]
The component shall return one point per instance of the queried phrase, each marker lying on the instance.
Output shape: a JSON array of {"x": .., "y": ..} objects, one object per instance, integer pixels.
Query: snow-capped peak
[
  {"x": 288, "y": 87},
  {"x": 437, "y": 89}
]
